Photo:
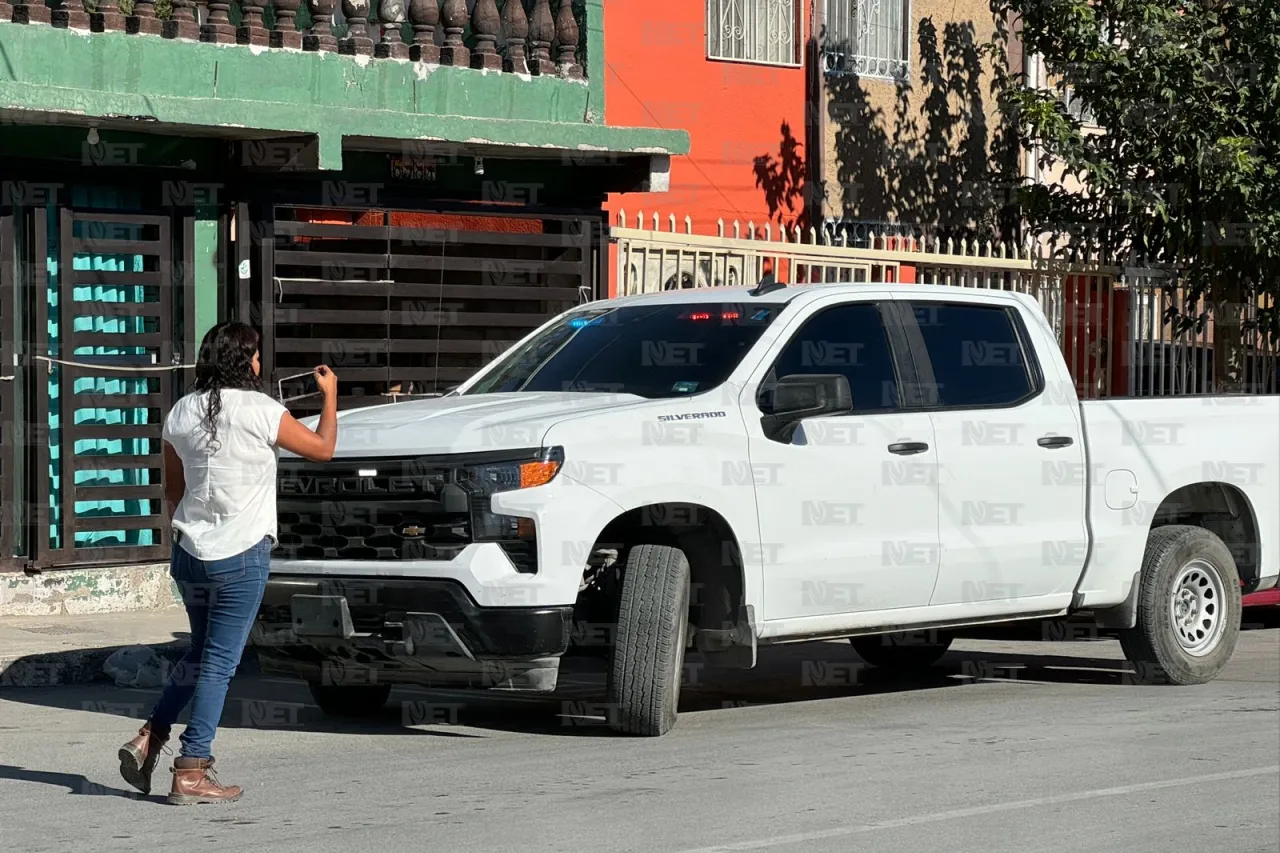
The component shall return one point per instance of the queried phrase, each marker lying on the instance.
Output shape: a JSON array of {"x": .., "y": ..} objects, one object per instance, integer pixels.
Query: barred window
[
  {"x": 871, "y": 38},
  {"x": 1078, "y": 108},
  {"x": 753, "y": 31}
]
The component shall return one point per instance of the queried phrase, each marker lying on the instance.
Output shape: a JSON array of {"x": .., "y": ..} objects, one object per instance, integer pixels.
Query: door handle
[
  {"x": 1055, "y": 441},
  {"x": 908, "y": 448}
]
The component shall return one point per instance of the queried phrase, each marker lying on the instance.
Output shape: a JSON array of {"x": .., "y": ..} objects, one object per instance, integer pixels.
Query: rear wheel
[
  {"x": 902, "y": 649},
  {"x": 648, "y": 650},
  {"x": 365, "y": 700},
  {"x": 1188, "y": 608}
]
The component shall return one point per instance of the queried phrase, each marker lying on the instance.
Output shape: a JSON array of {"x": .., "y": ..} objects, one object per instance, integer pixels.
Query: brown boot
[
  {"x": 194, "y": 782},
  {"x": 138, "y": 757}
]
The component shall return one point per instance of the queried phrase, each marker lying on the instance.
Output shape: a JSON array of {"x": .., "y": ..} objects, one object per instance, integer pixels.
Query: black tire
[
  {"x": 647, "y": 663},
  {"x": 365, "y": 700},
  {"x": 902, "y": 650},
  {"x": 1153, "y": 645}
]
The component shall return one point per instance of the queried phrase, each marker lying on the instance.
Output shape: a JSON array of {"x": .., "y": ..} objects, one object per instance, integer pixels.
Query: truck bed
[{"x": 1151, "y": 458}]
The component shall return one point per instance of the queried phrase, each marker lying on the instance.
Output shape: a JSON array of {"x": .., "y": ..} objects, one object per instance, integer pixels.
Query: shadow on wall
[
  {"x": 781, "y": 177},
  {"x": 936, "y": 163}
]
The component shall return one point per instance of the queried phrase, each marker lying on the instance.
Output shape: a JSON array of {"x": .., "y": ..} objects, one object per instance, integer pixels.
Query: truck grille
[{"x": 384, "y": 509}]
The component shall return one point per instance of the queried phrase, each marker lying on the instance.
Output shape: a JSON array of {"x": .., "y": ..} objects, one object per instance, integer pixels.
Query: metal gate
[
  {"x": 409, "y": 303},
  {"x": 105, "y": 371}
]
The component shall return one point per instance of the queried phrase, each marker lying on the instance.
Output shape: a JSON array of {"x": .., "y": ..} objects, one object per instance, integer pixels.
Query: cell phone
[{"x": 297, "y": 387}]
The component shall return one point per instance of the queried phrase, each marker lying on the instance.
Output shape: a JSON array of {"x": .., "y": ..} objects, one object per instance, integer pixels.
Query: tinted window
[
  {"x": 663, "y": 350},
  {"x": 849, "y": 340},
  {"x": 976, "y": 354}
]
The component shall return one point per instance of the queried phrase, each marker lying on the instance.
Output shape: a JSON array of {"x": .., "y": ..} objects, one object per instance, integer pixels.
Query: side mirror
[{"x": 800, "y": 396}]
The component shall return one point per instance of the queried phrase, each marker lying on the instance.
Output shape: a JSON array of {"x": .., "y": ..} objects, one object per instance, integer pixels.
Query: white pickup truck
[{"x": 720, "y": 469}]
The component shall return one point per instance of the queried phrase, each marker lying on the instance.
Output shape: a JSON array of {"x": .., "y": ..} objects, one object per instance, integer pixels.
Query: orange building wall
[{"x": 658, "y": 75}]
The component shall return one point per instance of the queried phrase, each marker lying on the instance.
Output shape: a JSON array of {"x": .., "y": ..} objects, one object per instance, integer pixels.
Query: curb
[{"x": 84, "y": 666}]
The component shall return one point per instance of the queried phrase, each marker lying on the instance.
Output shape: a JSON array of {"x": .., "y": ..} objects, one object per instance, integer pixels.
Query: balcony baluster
[
  {"x": 321, "y": 36},
  {"x": 107, "y": 18},
  {"x": 71, "y": 14},
  {"x": 218, "y": 28},
  {"x": 184, "y": 20},
  {"x": 35, "y": 12},
  {"x": 567, "y": 42},
  {"x": 391, "y": 15},
  {"x": 286, "y": 32},
  {"x": 486, "y": 25},
  {"x": 357, "y": 41},
  {"x": 144, "y": 20},
  {"x": 252, "y": 30},
  {"x": 425, "y": 15},
  {"x": 515, "y": 26},
  {"x": 542, "y": 31},
  {"x": 454, "y": 15}
]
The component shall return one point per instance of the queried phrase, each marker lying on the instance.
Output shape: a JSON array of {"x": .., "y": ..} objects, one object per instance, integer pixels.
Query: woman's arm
[
  {"x": 316, "y": 446},
  {"x": 175, "y": 482}
]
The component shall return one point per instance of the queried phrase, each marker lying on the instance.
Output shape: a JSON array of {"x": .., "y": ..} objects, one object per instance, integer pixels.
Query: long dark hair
[{"x": 226, "y": 361}]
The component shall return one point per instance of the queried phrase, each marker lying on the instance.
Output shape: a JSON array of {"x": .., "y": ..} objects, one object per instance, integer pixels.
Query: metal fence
[{"x": 1123, "y": 331}]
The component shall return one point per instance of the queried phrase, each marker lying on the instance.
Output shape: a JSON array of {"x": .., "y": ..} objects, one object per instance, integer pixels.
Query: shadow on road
[
  {"x": 73, "y": 782},
  {"x": 784, "y": 674}
]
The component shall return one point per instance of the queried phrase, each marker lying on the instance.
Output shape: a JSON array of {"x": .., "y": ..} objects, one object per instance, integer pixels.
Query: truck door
[
  {"x": 848, "y": 505},
  {"x": 1011, "y": 457}
]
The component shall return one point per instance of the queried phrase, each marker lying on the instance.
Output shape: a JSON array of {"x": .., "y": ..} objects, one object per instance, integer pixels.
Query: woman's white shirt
[{"x": 230, "y": 500}]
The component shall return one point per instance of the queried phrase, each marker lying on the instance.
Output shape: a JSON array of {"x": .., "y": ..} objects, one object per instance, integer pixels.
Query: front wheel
[
  {"x": 1188, "y": 616},
  {"x": 365, "y": 700},
  {"x": 649, "y": 644},
  {"x": 902, "y": 650}
]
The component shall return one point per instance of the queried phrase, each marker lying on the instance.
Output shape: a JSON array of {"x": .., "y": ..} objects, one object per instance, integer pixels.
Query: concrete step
[{"x": 69, "y": 592}]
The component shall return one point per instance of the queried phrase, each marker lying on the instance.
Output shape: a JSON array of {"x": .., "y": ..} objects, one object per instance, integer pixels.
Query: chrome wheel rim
[{"x": 1197, "y": 608}]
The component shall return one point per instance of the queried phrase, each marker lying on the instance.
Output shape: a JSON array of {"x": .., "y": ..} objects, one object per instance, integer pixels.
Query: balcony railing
[{"x": 535, "y": 37}]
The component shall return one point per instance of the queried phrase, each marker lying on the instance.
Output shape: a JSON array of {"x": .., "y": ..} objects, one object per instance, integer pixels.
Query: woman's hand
[
  {"x": 318, "y": 444},
  {"x": 326, "y": 381}
]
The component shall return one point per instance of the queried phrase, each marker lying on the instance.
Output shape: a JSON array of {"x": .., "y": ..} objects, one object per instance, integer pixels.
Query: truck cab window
[
  {"x": 846, "y": 339},
  {"x": 976, "y": 353}
]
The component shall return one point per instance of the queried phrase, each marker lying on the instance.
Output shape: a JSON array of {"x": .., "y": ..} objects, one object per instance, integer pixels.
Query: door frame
[{"x": 13, "y": 519}]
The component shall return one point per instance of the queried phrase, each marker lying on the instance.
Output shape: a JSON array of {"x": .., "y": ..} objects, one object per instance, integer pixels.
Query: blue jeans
[{"x": 222, "y": 599}]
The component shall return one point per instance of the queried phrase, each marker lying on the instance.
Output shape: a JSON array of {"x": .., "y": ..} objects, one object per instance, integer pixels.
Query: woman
[{"x": 220, "y": 448}]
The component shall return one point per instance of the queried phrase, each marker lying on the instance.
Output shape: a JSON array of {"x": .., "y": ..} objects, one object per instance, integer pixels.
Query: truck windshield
[{"x": 666, "y": 350}]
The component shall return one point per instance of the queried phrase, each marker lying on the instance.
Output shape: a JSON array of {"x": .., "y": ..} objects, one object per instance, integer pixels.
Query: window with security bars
[
  {"x": 870, "y": 38},
  {"x": 753, "y": 31}
]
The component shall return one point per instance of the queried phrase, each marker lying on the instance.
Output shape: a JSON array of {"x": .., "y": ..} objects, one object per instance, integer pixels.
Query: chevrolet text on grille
[{"x": 352, "y": 485}]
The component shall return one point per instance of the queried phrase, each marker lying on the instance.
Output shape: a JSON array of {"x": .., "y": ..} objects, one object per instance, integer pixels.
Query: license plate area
[{"x": 321, "y": 616}]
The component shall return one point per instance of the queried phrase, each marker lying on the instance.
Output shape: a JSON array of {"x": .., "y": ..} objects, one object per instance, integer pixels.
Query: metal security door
[{"x": 104, "y": 378}]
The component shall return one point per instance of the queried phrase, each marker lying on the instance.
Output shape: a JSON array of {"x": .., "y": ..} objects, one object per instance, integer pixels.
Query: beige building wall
[{"x": 917, "y": 150}]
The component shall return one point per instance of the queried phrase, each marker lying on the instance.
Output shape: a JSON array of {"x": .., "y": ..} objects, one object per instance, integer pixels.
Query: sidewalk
[{"x": 40, "y": 651}]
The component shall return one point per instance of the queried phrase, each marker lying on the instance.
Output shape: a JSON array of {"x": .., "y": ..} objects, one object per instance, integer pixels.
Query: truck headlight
[{"x": 516, "y": 535}]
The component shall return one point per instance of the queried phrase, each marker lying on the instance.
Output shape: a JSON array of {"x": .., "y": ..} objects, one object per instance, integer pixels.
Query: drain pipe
[{"x": 815, "y": 120}]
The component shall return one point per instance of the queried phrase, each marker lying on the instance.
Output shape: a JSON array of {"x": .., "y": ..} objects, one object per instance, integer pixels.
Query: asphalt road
[{"x": 1008, "y": 746}]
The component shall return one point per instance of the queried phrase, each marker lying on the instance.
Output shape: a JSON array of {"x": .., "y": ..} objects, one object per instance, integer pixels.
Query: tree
[{"x": 1185, "y": 173}]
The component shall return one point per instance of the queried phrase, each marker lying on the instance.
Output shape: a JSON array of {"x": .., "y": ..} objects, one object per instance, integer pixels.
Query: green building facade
[{"x": 400, "y": 200}]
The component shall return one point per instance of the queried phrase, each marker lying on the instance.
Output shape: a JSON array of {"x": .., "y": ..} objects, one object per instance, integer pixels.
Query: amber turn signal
[{"x": 538, "y": 473}]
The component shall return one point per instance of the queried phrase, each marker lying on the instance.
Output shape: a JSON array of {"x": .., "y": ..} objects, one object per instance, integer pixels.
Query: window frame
[
  {"x": 797, "y": 58},
  {"x": 922, "y": 362},
  {"x": 903, "y": 73},
  {"x": 899, "y": 356}
]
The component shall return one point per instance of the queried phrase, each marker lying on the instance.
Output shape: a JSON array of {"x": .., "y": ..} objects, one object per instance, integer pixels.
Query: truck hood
[{"x": 464, "y": 424}]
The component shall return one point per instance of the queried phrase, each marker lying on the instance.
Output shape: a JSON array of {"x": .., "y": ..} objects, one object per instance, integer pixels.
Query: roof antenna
[{"x": 768, "y": 284}]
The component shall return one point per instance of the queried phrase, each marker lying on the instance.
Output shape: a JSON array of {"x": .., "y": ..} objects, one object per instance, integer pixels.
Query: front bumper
[{"x": 353, "y": 629}]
